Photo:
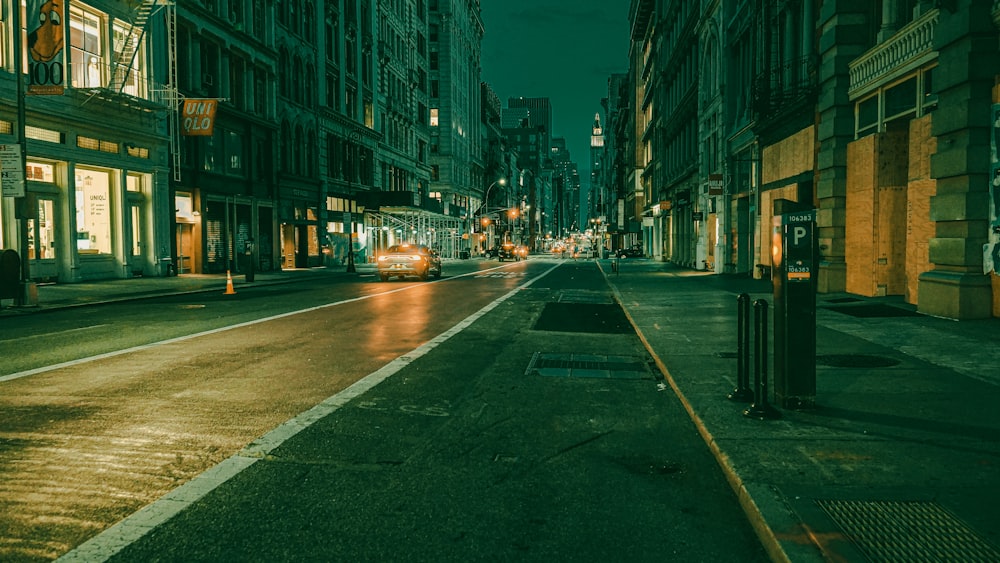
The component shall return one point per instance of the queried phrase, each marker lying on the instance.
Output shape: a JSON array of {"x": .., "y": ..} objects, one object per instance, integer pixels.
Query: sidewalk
[
  {"x": 60, "y": 296},
  {"x": 900, "y": 458},
  {"x": 898, "y": 461}
]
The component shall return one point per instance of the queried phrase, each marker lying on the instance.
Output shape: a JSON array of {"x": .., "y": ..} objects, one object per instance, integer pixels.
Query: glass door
[
  {"x": 137, "y": 241},
  {"x": 42, "y": 248}
]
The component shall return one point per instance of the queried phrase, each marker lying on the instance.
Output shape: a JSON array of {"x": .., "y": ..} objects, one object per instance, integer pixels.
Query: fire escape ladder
[{"x": 125, "y": 53}]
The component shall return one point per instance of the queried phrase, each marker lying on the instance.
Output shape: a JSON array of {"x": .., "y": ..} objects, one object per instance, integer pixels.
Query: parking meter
[
  {"x": 251, "y": 265},
  {"x": 794, "y": 282}
]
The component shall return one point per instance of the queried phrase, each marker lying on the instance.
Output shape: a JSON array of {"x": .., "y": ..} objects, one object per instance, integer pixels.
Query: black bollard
[
  {"x": 760, "y": 408},
  {"x": 742, "y": 393}
]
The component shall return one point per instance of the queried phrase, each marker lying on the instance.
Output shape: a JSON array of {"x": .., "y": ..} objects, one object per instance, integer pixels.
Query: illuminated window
[
  {"x": 86, "y": 47},
  {"x": 40, "y": 172},
  {"x": 93, "y": 211},
  {"x": 434, "y": 117}
]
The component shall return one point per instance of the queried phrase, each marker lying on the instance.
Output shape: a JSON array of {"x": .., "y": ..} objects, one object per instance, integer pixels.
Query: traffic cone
[{"x": 229, "y": 284}]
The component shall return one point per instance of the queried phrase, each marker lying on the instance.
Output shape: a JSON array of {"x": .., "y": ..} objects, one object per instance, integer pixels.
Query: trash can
[
  {"x": 167, "y": 267},
  {"x": 10, "y": 275}
]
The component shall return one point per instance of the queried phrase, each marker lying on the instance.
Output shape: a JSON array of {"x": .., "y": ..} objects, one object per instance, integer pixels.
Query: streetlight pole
[{"x": 486, "y": 200}]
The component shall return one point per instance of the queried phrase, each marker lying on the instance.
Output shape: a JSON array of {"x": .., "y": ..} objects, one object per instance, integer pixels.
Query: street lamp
[{"x": 486, "y": 200}]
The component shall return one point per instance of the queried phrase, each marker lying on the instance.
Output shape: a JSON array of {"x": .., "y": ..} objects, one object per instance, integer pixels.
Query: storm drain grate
[
  {"x": 908, "y": 531},
  {"x": 588, "y": 365}
]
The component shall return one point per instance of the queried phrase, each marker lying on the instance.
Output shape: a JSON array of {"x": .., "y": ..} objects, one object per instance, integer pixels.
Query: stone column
[{"x": 966, "y": 41}]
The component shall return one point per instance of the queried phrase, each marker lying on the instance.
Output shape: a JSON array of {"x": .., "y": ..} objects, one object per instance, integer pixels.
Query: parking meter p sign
[{"x": 799, "y": 240}]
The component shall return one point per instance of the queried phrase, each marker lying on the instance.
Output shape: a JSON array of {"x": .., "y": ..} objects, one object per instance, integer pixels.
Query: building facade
[
  {"x": 871, "y": 113},
  {"x": 90, "y": 120}
]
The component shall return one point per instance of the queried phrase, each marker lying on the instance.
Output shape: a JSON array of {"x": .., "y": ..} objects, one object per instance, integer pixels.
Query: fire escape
[{"x": 123, "y": 64}]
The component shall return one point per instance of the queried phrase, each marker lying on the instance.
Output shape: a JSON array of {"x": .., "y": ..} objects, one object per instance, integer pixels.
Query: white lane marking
[
  {"x": 68, "y": 331},
  {"x": 139, "y": 348},
  {"x": 109, "y": 542}
]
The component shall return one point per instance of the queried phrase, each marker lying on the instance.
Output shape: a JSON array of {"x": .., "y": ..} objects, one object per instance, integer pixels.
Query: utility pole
[{"x": 28, "y": 295}]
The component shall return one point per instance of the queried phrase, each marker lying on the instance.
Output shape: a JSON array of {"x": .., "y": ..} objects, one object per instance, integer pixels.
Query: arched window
[
  {"x": 299, "y": 87},
  {"x": 312, "y": 154},
  {"x": 283, "y": 73},
  {"x": 300, "y": 144},
  {"x": 286, "y": 147},
  {"x": 310, "y": 85}
]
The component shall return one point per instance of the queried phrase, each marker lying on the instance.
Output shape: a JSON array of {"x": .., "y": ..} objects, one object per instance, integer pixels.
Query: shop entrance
[
  {"x": 136, "y": 240},
  {"x": 42, "y": 240},
  {"x": 185, "y": 248}
]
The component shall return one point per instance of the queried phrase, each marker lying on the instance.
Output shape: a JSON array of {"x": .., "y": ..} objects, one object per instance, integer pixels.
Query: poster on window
[
  {"x": 991, "y": 250},
  {"x": 44, "y": 23}
]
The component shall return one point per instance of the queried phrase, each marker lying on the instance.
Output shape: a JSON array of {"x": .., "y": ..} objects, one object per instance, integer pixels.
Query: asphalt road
[{"x": 436, "y": 440}]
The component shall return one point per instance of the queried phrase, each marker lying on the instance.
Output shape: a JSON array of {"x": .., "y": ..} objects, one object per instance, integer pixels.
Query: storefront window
[{"x": 93, "y": 212}]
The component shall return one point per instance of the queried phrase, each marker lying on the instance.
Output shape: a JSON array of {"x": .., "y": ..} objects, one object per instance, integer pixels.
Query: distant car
[
  {"x": 634, "y": 251},
  {"x": 491, "y": 252},
  {"x": 506, "y": 252},
  {"x": 402, "y": 260},
  {"x": 521, "y": 252}
]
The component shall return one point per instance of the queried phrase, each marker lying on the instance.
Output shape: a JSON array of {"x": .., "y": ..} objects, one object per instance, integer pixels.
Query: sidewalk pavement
[{"x": 899, "y": 460}]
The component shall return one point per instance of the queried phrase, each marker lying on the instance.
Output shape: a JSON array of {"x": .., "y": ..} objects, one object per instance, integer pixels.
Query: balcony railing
[
  {"x": 784, "y": 85},
  {"x": 911, "y": 46}
]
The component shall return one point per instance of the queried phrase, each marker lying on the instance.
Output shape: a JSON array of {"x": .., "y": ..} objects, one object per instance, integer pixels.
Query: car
[
  {"x": 402, "y": 260},
  {"x": 634, "y": 251},
  {"x": 521, "y": 252},
  {"x": 506, "y": 252}
]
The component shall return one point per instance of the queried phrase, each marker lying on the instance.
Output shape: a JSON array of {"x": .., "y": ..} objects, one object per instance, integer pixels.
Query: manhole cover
[
  {"x": 588, "y": 365},
  {"x": 908, "y": 531},
  {"x": 855, "y": 361}
]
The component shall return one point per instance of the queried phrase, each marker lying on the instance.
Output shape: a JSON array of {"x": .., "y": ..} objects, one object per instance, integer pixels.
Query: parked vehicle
[
  {"x": 634, "y": 251},
  {"x": 402, "y": 260}
]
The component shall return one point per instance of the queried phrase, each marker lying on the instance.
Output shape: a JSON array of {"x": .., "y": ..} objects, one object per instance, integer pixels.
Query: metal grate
[{"x": 908, "y": 531}]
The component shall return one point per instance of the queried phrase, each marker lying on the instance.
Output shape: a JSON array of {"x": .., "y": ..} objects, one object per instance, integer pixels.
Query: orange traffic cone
[{"x": 229, "y": 284}]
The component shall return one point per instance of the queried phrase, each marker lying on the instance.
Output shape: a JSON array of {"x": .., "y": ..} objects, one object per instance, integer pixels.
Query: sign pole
[{"x": 28, "y": 294}]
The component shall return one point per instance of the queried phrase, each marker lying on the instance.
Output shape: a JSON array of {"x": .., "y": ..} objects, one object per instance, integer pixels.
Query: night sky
[{"x": 564, "y": 50}]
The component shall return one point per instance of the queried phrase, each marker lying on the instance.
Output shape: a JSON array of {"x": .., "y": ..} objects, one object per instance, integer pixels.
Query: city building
[
  {"x": 91, "y": 122},
  {"x": 457, "y": 175},
  {"x": 879, "y": 116}
]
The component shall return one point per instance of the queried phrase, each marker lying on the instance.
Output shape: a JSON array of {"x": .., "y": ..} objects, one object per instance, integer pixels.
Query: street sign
[{"x": 11, "y": 171}]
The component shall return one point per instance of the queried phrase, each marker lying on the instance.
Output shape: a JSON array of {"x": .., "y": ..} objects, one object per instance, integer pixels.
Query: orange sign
[{"x": 198, "y": 117}]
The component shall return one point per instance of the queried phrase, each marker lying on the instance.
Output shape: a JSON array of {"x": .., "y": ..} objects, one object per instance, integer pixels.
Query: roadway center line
[{"x": 109, "y": 542}]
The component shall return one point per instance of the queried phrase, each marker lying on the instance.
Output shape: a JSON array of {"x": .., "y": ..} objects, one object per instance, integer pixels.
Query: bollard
[
  {"x": 742, "y": 393},
  {"x": 760, "y": 408}
]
